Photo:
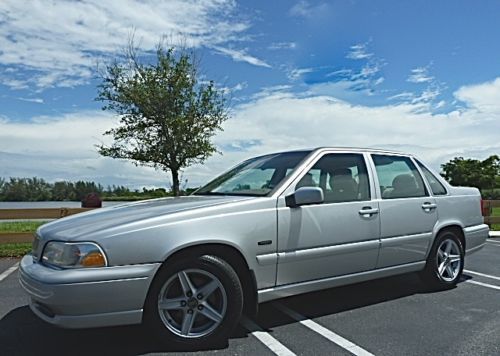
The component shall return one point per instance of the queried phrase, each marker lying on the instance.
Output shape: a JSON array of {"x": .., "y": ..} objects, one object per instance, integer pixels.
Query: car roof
[{"x": 344, "y": 149}]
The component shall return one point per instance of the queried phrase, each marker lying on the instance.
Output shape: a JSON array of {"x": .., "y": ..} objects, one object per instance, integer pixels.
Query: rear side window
[
  {"x": 436, "y": 186},
  {"x": 398, "y": 177},
  {"x": 342, "y": 176}
]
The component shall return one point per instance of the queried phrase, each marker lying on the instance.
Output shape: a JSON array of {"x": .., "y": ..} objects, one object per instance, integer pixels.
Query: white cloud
[
  {"x": 297, "y": 73},
  {"x": 241, "y": 56},
  {"x": 420, "y": 75},
  {"x": 306, "y": 10},
  {"x": 483, "y": 97},
  {"x": 56, "y": 42},
  {"x": 275, "y": 120},
  {"x": 359, "y": 51},
  {"x": 282, "y": 45},
  {"x": 32, "y": 100}
]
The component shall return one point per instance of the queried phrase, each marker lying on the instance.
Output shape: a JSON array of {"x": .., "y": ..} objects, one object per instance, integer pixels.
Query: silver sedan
[{"x": 273, "y": 226}]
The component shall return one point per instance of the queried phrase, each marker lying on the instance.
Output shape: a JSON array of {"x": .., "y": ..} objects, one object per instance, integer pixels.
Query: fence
[
  {"x": 488, "y": 206},
  {"x": 32, "y": 214},
  {"x": 56, "y": 213}
]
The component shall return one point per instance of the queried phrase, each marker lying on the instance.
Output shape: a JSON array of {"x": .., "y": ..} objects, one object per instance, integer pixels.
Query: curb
[{"x": 494, "y": 233}]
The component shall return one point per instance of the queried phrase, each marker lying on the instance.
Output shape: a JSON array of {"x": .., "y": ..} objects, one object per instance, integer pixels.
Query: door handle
[
  {"x": 428, "y": 206},
  {"x": 368, "y": 211}
]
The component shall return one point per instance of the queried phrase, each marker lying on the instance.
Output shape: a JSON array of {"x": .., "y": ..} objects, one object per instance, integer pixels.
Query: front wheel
[
  {"x": 195, "y": 302},
  {"x": 446, "y": 261}
]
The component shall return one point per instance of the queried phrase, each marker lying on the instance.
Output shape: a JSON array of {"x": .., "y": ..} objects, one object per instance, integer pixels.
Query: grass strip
[{"x": 15, "y": 249}]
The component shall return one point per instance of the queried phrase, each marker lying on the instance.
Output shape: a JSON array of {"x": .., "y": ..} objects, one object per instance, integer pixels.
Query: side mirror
[{"x": 305, "y": 196}]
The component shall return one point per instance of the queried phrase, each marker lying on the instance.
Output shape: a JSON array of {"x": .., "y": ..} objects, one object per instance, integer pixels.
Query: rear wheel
[
  {"x": 446, "y": 261},
  {"x": 195, "y": 302}
]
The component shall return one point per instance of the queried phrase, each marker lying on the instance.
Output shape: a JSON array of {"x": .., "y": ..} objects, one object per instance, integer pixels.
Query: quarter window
[
  {"x": 436, "y": 186},
  {"x": 398, "y": 177},
  {"x": 342, "y": 176}
]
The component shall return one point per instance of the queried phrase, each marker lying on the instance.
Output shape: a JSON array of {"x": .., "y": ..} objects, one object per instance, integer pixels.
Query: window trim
[
  {"x": 420, "y": 165},
  {"x": 305, "y": 169},
  {"x": 377, "y": 187}
]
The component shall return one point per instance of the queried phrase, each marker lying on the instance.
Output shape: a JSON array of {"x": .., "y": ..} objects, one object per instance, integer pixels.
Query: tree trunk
[{"x": 175, "y": 182}]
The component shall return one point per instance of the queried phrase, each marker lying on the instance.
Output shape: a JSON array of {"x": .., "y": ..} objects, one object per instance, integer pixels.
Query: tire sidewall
[
  {"x": 232, "y": 286},
  {"x": 432, "y": 264}
]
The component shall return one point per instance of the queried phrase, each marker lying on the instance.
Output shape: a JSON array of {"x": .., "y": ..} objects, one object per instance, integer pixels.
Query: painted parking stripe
[
  {"x": 9, "y": 270},
  {"x": 483, "y": 284},
  {"x": 493, "y": 241},
  {"x": 482, "y": 274},
  {"x": 327, "y": 333},
  {"x": 264, "y": 337}
]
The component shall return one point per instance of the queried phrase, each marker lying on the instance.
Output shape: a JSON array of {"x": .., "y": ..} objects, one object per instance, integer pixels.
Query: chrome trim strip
[
  {"x": 476, "y": 228},
  {"x": 399, "y": 240},
  {"x": 267, "y": 259},
  {"x": 288, "y": 290},
  {"x": 318, "y": 252}
]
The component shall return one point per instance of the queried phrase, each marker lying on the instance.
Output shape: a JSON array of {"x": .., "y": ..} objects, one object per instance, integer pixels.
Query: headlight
[{"x": 74, "y": 254}]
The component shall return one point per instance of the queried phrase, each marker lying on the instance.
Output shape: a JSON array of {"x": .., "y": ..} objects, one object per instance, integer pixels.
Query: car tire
[
  {"x": 445, "y": 262},
  {"x": 194, "y": 302}
]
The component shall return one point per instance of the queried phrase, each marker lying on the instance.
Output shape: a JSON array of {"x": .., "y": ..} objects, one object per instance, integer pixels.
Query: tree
[
  {"x": 167, "y": 115},
  {"x": 471, "y": 172}
]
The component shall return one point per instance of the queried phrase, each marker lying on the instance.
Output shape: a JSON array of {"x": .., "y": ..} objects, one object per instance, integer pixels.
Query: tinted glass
[
  {"x": 436, "y": 186},
  {"x": 255, "y": 177},
  {"x": 342, "y": 176},
  {"x": 398, "y": 177}
]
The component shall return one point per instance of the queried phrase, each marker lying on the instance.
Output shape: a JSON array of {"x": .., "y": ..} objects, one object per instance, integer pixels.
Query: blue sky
[{"x": 418, "y": 76}]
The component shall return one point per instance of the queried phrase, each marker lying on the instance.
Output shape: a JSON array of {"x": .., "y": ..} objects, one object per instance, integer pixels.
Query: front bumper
[
  {"x": 475, "y": 237},
  {"x": 85, "y": 298}
]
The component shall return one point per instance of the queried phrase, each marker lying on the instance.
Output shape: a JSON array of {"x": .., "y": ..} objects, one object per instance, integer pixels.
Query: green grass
[
  {"x": 15, "y": 249},
  {"x": 20, "y": 226},
  {"x": 496, "y": 212}
]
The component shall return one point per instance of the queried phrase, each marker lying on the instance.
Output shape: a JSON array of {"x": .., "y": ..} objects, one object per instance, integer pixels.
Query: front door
[{"x": 338, "y": 237}]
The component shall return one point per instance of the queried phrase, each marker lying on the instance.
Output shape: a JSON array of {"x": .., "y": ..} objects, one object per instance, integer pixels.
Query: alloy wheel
[
  {"x": 192, "y": 303},
  {"x": 449, "y": 260}
]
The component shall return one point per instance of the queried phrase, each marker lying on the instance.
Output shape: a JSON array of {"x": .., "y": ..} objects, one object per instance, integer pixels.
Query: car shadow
[{"x": 22, "y": 333}]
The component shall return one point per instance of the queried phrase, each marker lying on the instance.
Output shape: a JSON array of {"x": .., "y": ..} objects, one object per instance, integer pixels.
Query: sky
[{"x": 421, "y": 77}]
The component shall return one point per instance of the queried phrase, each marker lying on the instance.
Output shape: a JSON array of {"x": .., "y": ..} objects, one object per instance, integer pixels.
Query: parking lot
[{"x": 391, "y": 316}]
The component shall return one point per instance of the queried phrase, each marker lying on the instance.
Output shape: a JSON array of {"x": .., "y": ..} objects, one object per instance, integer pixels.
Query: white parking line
[
  {"x": 483, "y": 284},
  {"x": 482, "y": 274},
  {"x": 493, "y": 241},
  {"x": 9, "y": 270},
  {"x": 270, "y": 342},
  {"x": 330, "y": 335}
]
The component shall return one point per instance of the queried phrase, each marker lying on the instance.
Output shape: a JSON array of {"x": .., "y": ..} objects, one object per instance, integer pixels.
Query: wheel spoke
[
  {"x": 211, "y": 313},
  {"x": 171, "y": 304},
  {"x": 208, "y": 289},
  {"x": 187, "y": 322},
  {"x": 186, "y": 284},
  {"x": 447, "y": 250},
  {"x": 441, "y": 268},
  {"x": 450, "y": 271},
  {"x": 440, "y": 254},
  {"x": 454, "y": 258}
]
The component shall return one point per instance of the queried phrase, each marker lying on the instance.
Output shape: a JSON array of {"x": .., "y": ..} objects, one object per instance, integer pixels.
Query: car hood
[{"x": 100, "y": 220}]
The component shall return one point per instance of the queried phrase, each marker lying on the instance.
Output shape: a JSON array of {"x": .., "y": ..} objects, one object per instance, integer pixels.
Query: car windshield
[{"x": 255, "y": 177}]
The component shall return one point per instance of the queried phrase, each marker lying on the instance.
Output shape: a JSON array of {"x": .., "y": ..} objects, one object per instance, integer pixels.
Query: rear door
[{"x": 408, "y": 213}]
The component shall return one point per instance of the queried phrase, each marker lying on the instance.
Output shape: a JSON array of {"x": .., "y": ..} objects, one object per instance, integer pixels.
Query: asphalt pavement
[{"x": 390, "y": 316}]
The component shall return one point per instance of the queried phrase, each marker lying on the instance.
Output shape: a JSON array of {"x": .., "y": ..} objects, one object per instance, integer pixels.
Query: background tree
[
  {"x": 167, "y": 116},
  {"x": 471, "y": 172}
]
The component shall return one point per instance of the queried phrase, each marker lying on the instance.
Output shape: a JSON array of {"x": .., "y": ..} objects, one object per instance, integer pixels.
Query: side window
[
  {"x": 342, "y": 176},
  {"x": 398, "y": 177},
  {"x": 436, "y": 186}
]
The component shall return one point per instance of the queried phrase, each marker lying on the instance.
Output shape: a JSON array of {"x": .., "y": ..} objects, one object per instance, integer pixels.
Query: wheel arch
[
  {"x": 455, "y": 227},
  {"x": 233, "y": 256}
]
